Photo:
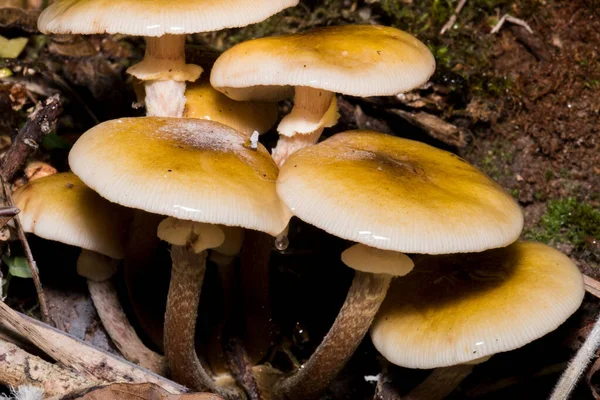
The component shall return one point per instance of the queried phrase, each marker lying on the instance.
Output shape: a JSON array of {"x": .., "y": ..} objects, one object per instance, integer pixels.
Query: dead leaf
[
  {"x": 144, "y": 391},
  {"x": 25, "y": 20}
]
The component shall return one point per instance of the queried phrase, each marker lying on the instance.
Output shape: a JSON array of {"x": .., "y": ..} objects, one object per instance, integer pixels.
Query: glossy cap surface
[
  {"x": 398, "y": 194},
  {"x": 205, "y": 102},
  {"x": 60, "y": 207},
  {"x": 154, "y": 17},
  {"x": 357, "y": 60},
  {"x": 454, "y": 309},
  {"x": 184, "y": 168}
]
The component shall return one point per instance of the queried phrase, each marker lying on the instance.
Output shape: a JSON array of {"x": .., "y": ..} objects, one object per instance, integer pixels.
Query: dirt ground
[{"x": 523, "y": 106}]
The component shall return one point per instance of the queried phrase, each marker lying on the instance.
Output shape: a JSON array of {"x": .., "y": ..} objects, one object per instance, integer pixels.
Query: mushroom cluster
[{"x": 437, "y": 266}]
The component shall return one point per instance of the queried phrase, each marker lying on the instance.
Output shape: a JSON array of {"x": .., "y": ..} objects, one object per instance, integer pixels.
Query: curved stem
[
  {"x": 144, "y": 276},
  {"x": 187, "y": 277},
  {"x": 121, "y": 332},
  {"x": 578, "y": 365},
  {"x": 313, "y": 111},
  {"x": 440, "y": 383},
  {"x": 351, "y": 325}
]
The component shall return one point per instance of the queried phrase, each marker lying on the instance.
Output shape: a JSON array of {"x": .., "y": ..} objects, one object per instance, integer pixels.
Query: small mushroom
[
  {"x": 200, "y": 174},
  {"x": 354, "y": 60},
  {"x": 165, "y": 25},
  {"x": 389, "y": 194},
  {"x": 61, "y": 208},
  {"x": 205, "y": 102},
  {"x": 455, "y": 311}
]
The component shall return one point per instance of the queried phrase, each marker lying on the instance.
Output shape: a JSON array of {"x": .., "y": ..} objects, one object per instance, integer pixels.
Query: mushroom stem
[
  {"x": 99, "y": 269},
  {"x": 121, "y": 332},
  {"x": 351, "y": 325},
  {"x": 256, "y": 299},
  {"x": 187, "y": 277},
  {"x": 165, "y": 72},
  {"x": 440, "y": 383},
  {"x": 314, "y": 110}
]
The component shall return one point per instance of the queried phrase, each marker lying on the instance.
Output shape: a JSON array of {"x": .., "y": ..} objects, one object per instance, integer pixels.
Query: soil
[{"x": 525, "y": 109}]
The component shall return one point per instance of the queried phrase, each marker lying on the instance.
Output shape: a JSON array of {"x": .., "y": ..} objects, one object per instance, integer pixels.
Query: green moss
[{"x": 567, "y": 221}]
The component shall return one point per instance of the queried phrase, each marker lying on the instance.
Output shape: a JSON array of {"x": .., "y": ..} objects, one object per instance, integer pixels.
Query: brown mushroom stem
[
  {"x": 119, "y": 329},
  {"x": 165, "y": 72},
  {"x": 257, "y": 307},
  {"x": 314, "y": 110},
  {"x": 140, "y": 272},
  {"x": 351, "y": 325},
  {"x": 187, "y": 277},
  {"x": 440, "y": 383}
]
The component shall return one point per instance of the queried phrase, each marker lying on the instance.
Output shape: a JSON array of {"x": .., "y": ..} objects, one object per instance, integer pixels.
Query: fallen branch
[
  {"x": 435, "y": 127},
  {"x": 70, "y": 352},
  {"x": 6, "y": 214},
  {"x": 40, "y": 123},
  {"x": 21, "y": 368}
]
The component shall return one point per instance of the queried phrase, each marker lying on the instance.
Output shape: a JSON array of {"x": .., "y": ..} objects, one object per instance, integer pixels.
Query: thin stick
[
  {"x": 509, "y": 18},
  {"x": 6, "y": 214},
  {"x": 577, "y": 366},
  {"x": 30, "y": 260},
  {"x": 78, "y": 355},
  {"x": 452, "y": 19},
  {"x": 592, "y": 286},
  {"x": 21, "y": 368}
]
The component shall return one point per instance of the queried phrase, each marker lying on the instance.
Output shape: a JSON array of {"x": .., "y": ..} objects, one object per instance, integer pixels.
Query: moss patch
[{"x": 568, "y": 221}]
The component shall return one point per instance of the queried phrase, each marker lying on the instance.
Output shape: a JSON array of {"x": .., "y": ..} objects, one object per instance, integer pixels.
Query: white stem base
[
  {"x": 286, "y": 146},
  {"x": 165, "y": 99}
]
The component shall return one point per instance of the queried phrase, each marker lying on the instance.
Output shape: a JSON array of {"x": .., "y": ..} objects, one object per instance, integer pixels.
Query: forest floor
[{"x": 522, "y": 105}]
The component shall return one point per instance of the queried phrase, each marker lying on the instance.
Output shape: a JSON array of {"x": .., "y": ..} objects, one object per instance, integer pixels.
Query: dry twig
[
  {"x": 40, "y": 123},
  {"x": 7, "y": 199},
  {"x": 509, "y": 18},
  {"x": 435, "y": 127},
  {"x": 72, "y": 353},
  {"x": 21, "y": 368},
  {"x": 452, "y": 19}
]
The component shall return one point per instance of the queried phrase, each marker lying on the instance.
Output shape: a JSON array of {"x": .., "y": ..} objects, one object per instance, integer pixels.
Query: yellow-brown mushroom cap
[
  {"x": 453, "y": 309},
  {"x": 398, "y": 194},
  {"x": 361, "y": 60},
  {"x": 205, "y": 102},
  {"x": 184, "y": 168},
  {"x": 61, "y": 208},
  {"x": 155, "y": 17}
]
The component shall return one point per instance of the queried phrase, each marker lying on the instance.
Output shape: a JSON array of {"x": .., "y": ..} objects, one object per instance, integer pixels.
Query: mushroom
[
  {"x": 200, "y": 174},
  {"x": 61, "y": 208},
  {"x": 164, "y": 24},
  {"x": 455, "y": 311},
  {"x": 354, "y": 60},
  {"x": 390, "y": 194},
  {"x": 205, "y": 102}
]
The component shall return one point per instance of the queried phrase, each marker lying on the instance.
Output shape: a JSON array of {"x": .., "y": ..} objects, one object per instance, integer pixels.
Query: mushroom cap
[
  {"x": 357, "y": 60},
  {"x": 184, "y": 168},
  {"x": 454, "y": 309},
  {"x": 205, "y": 102},
  {"x": 398, "y": 194},
  {"x": 155, "y": 17},
  {"x": 376, "y": 261},
  {"x": 62, "y": 208}
]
